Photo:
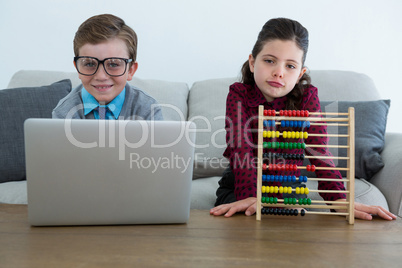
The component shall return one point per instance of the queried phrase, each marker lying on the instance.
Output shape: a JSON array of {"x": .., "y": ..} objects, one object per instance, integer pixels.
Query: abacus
[{"x": 302, "y": 119}]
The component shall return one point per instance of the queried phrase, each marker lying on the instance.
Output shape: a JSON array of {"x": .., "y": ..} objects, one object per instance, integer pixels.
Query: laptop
[{"x": 107, "y": 172}]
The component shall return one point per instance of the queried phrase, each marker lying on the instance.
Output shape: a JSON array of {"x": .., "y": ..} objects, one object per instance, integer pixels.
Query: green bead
[
  {"x": 269, "y": 145},
  {"x": 308, "y": 201},
  {"x": 286, "y": 145},
  {"x": 285, "y": 200},
  {"x": 298, "y": 145},
  {"x": 273, "y": 145},
  {"x": 278, "y": 145},
  {"x": 300, "y": 201},
  {"x": 275, "y": 200},
  {"x": 282, "y": 145},
  {"x": 294, "y": 201},
  {"x": 303, "y": 146},
  {"x": 265, "y": 145},
  {"x": 263, "y": 199}
]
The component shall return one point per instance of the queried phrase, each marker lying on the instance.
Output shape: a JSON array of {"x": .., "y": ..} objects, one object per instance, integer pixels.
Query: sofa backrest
[
  {"x": 205, "y": 104},
  {"x": 171, "y": 95}
]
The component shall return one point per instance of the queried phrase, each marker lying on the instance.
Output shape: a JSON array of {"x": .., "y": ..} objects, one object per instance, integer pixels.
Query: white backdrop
[{"x": 188, "y": 41}]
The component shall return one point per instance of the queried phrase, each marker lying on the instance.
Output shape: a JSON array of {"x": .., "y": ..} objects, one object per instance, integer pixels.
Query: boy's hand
[{"x": 249, "y": 205}]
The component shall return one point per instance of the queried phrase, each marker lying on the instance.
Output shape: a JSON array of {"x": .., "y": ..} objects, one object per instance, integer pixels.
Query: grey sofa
[{"x": 204, "y": 103}]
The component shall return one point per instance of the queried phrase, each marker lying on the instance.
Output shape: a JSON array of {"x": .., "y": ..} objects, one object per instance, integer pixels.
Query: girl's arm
[
  {"x": 240, "y": 144},
  {"x": 365, "y": 212},
  {"x": 312, "y": 103}
]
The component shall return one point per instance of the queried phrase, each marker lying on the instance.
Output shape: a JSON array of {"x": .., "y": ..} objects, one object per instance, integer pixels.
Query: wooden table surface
[{"x": 205, "y": 241}]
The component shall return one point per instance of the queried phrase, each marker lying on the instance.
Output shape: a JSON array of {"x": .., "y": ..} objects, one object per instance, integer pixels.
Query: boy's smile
[{"x": 101, "y": 85}]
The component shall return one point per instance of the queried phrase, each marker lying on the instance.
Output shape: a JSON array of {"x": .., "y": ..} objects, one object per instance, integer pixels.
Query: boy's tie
[{"x": 102, "y": 112}]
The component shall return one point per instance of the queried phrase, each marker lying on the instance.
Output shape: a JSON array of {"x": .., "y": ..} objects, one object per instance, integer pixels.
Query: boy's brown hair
[{"x": 101, "y": 28}]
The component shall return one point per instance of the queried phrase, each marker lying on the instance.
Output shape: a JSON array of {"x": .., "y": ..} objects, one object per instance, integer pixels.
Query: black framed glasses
[{"x": 113, "y": 66}]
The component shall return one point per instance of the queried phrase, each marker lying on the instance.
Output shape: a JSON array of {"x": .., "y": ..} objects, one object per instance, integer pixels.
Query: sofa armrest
[{"x": 389, "y": 178}]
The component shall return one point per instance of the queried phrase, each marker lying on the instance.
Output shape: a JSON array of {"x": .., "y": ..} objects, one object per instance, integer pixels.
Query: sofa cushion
[
  {"x": 207, "y": 106},
  {"x": 370, "y": 125},
  {"x": 344, "y": 86},
  {"x": 171, "y": 96},
  {"x": 17, "y": 105}
]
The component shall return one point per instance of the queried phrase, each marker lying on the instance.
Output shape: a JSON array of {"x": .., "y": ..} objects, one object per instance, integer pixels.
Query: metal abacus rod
[{"x": 306, "y": 116}]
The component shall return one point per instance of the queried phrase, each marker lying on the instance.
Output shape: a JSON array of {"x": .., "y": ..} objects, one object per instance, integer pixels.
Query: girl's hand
[
  {"x": 249, "y": 205},
  {"x": 365, "y": 212}
]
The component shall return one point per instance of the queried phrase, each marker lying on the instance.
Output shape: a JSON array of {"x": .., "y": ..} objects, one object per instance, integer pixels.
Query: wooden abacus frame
[{"x": 347, "y": 120}]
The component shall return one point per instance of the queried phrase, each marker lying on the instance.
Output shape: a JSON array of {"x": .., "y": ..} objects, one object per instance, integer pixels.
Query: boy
[{"x": 104, "y": 93}]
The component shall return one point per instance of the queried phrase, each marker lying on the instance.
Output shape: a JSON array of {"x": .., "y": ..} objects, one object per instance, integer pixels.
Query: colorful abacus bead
[
  {"x": 310, "y": 168},
  {"x": 304, "y": 201},
  {"x": 294, "y": 113},
  {"x": 269, "y": 112},
  {"x": 279, "y": 211}
]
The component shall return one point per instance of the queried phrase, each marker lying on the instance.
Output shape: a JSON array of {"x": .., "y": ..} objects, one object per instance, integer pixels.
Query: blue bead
[
  {"x": 285, "y": 178},
  {"x": 291, "y": 123},
  {"x": 264, "y": 123},
  {"x": 282, "y": 123},
  {"x": 280, "y": 178},
  {"x": 293, "y": 178},
  {"x": 300, "y": 124}
]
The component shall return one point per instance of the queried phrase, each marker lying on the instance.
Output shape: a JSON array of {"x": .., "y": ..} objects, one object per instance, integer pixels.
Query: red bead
[
  {"x": 298, "y": 113},
  {"x": 264, "y": 167},
  {"x": 273, "y": 112},
  {"x": 294, "y": 113},
  {"x": 307, "y": 113},
  {"x": 270, "y": 167},
  {"x": 308, "y": 167},
  {"x": 302, "y": 113},
  {"x": 312, "y": 168},
  {"x": 265, "y": 112},
  {"x": 281, "y": 113}
]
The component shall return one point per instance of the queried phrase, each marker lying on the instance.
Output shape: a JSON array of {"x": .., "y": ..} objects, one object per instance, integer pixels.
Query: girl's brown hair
[
  {"x": 285, "y": 30},
  {"x": 101, "y": 28}
]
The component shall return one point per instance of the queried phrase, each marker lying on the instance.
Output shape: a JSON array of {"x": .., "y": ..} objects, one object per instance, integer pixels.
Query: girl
[{"x": 273, "y": 76}]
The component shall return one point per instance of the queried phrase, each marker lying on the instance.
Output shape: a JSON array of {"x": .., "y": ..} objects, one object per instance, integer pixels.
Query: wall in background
[{"x": 188, "y": 41}]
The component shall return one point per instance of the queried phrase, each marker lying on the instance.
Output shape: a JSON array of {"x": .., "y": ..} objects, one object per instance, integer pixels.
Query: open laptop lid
[{"x": 92, "y": 172}]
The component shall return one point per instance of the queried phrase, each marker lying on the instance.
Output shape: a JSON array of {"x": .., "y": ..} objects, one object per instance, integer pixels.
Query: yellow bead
[
  {"x": 264, "y": 134},
  {"x": 263, "y": 189},
  {"x": 268, "y": 134},
  {"x": 285, "y": 134},
  {"x": 306, "y": 190},
  {"x": 293, "y": 134},
  {"x": 297, "y": 190},
  {"x": 297, "y": 135},
  {"x": 276, "y": 189},
  {"x": 301, "y": 190},
  {"x": 289, "y": 190},
  {"x": 305, "y": 135},
  {"x": 277, "y": 134},
  {"x": 281, "y": 189}
]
